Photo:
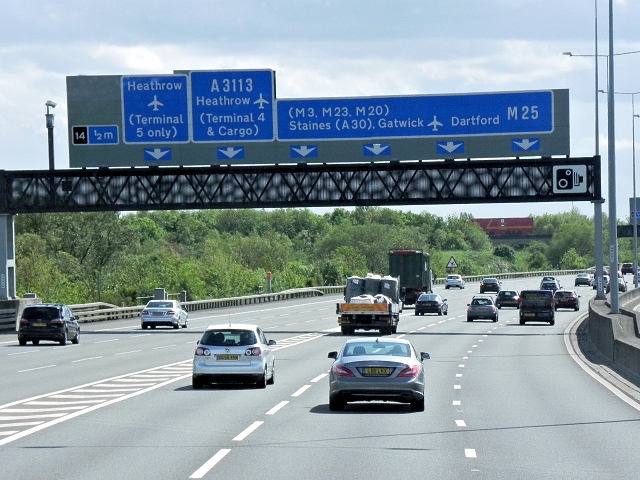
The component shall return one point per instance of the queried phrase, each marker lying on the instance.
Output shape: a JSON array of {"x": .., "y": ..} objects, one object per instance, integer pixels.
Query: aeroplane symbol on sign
[
  {"x": 155, "y": 104},
  {"x": 261, "y": 102},
  {"x": 435, "y": 124}
]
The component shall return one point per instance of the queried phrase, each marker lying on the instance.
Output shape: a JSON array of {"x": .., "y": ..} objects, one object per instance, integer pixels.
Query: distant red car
[
  {"x": 567, "y": 299},
  {"x": 508, "y": 298}
]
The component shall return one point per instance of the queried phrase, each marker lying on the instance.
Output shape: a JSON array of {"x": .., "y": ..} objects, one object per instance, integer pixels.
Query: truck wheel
[
  {"x": 394, "y": 329},
  {"x": 345, "y": 330}
]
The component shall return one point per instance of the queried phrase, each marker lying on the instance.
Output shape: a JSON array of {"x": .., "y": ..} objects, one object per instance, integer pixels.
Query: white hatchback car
[
  {"x": 454, "y": 281},
  {"x": 233, "y": 353}
]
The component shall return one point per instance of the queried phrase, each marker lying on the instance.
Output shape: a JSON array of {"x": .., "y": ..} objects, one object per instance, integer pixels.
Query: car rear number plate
[
  {"x": 158, "y": 314},
  {"x": 39, "y": 324},
  {"x": 228, "y": 357},
  {"x": 376, "y": 371}
]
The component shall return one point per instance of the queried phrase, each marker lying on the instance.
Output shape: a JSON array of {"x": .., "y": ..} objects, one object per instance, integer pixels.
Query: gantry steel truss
[{"x": 514, "y": 180}]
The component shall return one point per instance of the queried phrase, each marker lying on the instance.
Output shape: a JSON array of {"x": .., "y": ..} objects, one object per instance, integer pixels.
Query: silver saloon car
[
  {"x": 234, "y": 353},
  {"x": 165, "y": 313},
  {"x": 383, "y": 369}
]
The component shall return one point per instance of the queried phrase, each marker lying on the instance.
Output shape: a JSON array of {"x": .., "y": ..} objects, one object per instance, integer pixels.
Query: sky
[{"x": 329, "y": 48}]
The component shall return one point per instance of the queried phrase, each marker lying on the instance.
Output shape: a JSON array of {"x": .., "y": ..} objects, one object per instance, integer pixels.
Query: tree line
[{"x": 119, "y": 258}]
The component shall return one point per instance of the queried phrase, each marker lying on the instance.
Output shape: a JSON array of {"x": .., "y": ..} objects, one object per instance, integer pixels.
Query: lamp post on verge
[
  {"x": 49, "y": 119},
  {"x": 635, "y": 207}
]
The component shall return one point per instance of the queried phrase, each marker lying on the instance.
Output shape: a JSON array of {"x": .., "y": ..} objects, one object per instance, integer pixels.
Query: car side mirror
[
  {"x": 272, "y": 342},
  {"x": 424, "y": 356},
  {"x": 333, "y": 355}
]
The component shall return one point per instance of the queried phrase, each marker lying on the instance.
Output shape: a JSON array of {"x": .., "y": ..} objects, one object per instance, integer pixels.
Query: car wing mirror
[
  {"x": 333, "y": 355},
  {"x": 272, "y": 342},
  {"x": 425, "y": 356}
]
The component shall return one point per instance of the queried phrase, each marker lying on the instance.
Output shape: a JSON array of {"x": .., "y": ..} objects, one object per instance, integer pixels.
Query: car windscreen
[
  {"x": 228, "y": 338},
  {"x": 40, "y": 313},
  {"x": 536, "y": 298},
  {"x": 369, "y": 348},
  {"x": 160, "y": 304}
]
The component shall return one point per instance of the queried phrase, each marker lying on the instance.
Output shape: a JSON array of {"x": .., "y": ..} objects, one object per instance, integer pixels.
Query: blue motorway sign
[
  {"x": 155, "y": 109},
  {"x": 415, "y": 116},
  {"x": 232, "y": 105}
]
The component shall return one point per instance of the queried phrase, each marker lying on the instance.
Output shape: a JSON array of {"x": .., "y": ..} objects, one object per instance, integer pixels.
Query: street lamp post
[
  {"x": 635, "y": 208},
  {"x": 49, "y": 119}
]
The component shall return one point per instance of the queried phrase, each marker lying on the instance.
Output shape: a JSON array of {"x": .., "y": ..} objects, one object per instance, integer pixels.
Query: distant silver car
[
  {"x": 165, "y": 313},
  {"x": 234, "y": 353},
  {"x": 386, "y": 369},
  {"x": 454, "y": 281}
]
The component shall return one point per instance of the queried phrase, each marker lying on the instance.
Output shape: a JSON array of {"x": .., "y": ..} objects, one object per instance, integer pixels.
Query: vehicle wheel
[
  {"x": 196, "y": 384},
  {"x": 576, "y": 308},
  {"x": 522, "y": 322},
  {"x": 417, "y": 405},
  {"x": 272, "y": 380},
  {"x": 345, "y": 330},
  {"x": 76, "y": 339},
  {"x": 35, "y": 342},
  {"x": 495, "y": 319},
  {"x": 177, "y": 325},
  {"x": 468, "y": 319},
  {"x": 446, "y": 287},
  {"x": 335, "y": 404},
  {"x": 186, "y": 323},
  {"x": 144, "y": 326},
  {"x": 64, "y": 338},
  {"x": 22, "y": 342},
  {"x": 415, "y": 313},
  {"x": 440, "y": 312},
  {"x": 394, "y": 329},
  {"x": 152, "y": 327},
  {"x": 262, "y": 381}
]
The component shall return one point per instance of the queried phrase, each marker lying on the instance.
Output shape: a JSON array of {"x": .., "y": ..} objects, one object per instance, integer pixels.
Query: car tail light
[
  {"x": 57, "y": 322},
  {"x": 410, "y": 372},
  {"x": 253, "y": 352},
  {"x": 203, "y": 352},
  {"x": 170, "y": 312},
  {"x": 341, "y": 371},
  {"x": 24, "y": 322},
  {"x": 145, "y": 312}
]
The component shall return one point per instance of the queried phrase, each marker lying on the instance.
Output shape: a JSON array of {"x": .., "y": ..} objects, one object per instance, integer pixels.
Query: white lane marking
[
  {"x": 461, "y": 365},
  {"x": 22, "y": 353},
  {"x": 164, "y": 346},
  {"x": 85, "y": 359},
  {"x": 301, "y": 390},
  {"x": 460, "y": 423},
  {"x": 456, "y": 402},
  {"x": 401, "y": 336},
  {"x": 458, "y": 375},
  {"x": 209, "y": 464},
  {"x": 126, "y": 353},
  {"x": 247, "y": 431},
  {"x": 457, "y": 387},
  {"x": 470, "y": 453},
  {"x": 277, "y": 407},
  {"x": 107, "y": 341},
  {"x": 465, "y": 358},
  {"x": 36, "y": 368},
  {"x": 319, "y": 377}
]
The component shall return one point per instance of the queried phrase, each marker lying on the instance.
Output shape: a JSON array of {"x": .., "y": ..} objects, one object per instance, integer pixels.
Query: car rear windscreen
[{"x": 535, "y": 298}]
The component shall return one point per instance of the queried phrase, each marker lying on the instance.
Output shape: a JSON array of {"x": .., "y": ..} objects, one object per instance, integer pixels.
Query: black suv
[{"x": 48, "y": 321}]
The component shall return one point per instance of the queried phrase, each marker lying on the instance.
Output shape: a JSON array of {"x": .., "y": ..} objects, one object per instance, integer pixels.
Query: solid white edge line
[
  {"x": 470, "y": 453},
  {"x": 277, "y": 407},
  {"x": 209, "y": 464},
  {"x": 618, "y": 393},
  {"x": 247, "y": 431}
]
